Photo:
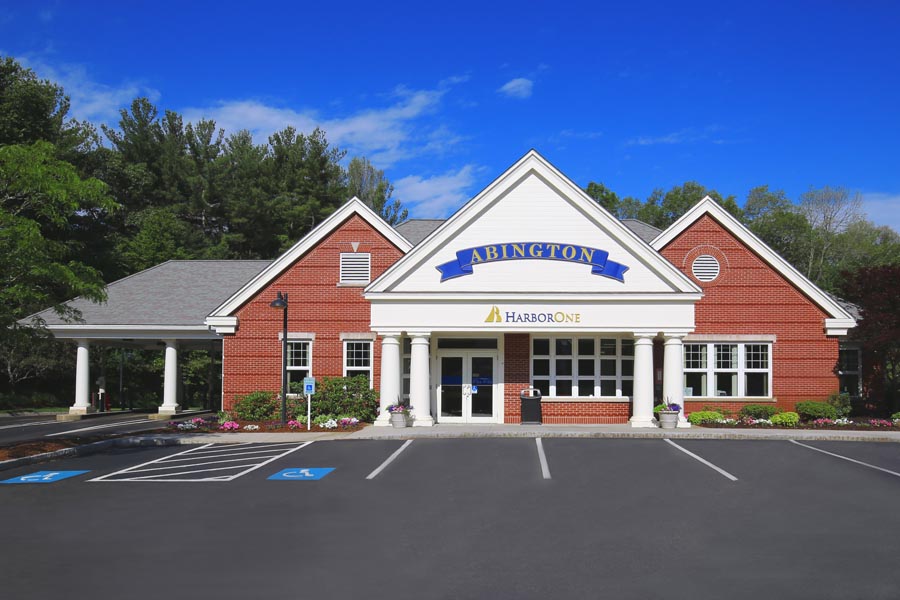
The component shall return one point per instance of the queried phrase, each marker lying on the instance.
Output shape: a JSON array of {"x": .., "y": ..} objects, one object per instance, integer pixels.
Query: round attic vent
[{"x": 705, "y": 268}]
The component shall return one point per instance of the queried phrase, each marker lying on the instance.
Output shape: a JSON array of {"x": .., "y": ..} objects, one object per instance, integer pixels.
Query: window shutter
[{"x": 356, "y": 267}]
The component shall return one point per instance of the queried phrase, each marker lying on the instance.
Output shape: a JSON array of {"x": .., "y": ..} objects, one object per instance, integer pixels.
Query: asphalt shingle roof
[{"x": 176, "y": 292}]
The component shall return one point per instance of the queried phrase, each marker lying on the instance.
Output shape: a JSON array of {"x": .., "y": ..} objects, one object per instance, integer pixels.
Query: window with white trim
[
  {"x": 582, "y": 366},
  {"x": 299, "y": 364},
  {"x": 358, "y": 359},
  {"x": 356, "y": 268},
  {"x": 728, "y": 370}
]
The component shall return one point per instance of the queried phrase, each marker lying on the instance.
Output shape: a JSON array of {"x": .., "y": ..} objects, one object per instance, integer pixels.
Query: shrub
[
  {"x": 810, "y": 411},
  {"x": 256, "y": 406},
  {"x": 841, "y": 403},
  {"x": 760, "y": 411},
  {"x": 895, "y": 416},
  {"x": 346, "y": 396},
  {"x": 702, "y": 417},
  {"x": 786, "y": 419}
]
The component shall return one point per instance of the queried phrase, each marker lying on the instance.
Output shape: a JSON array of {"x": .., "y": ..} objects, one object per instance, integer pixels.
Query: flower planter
[
  {"x": 398, "y": 419},
  {"x": 668, "y": 419}
]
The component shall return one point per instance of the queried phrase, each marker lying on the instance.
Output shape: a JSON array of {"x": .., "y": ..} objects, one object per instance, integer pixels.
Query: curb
[
  {"x": 840, "y": 437},
  {"x": 92, "y": 448}
]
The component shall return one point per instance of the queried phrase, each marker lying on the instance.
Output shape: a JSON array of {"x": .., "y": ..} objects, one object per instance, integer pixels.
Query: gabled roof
[
  {"x": 532, "y": 164},
  {"x": 173, "y": 293},
  {"x": 222, "y": 316},
  {"x": 840, "y": 320}
]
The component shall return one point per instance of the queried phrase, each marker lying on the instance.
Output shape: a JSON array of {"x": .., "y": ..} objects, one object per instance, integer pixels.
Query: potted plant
[
  {"x": 399, "y": 414},
  {"x": 668, "y": 415}
]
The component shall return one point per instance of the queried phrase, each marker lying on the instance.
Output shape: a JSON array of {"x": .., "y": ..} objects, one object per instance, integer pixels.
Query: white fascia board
[
  {"x": 839, "y": 327},
  {"x": 509, "y": 297},
  {"x": 532, "y": 162},
  {"x": 135, "y": 332},
  {"x": 222, "y": 325},
  {"x": 761, "y": 249},
  {"x": 310, "y": 241}
]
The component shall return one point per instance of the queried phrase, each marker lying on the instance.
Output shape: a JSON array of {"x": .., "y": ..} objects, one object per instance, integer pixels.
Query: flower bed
[
  {"x": 212, "y": 425},
  {"x": 841, "y": 424}
]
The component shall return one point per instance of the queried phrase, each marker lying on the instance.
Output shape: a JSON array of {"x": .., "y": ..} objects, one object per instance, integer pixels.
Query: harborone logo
[
  {"x": 511, "y": 316},
  {"x": 598, "y": 259}
]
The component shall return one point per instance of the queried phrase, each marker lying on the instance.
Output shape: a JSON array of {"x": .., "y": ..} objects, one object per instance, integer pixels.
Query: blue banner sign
[
  {"x": 468, "y": 258},
  {"x": 44, "y": 476}
]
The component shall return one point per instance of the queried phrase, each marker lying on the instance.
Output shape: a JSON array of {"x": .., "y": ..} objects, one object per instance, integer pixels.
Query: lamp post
[{"x": 282, "y": 302}]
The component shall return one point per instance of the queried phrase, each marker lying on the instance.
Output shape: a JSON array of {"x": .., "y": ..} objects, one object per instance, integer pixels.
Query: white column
[
  {"x": 170, "y": 381},
  {"x": 420, "y": 382},
  {"x": 673, "y": 375},
  {"x": 642, "y": 401},
  {"x": 82, "y": 404},
  {"x": 390, "y": 376}
]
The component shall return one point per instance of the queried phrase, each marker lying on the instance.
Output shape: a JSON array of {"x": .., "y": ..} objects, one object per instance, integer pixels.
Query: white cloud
[
  {"x": 91, "y": 100},
  {"x": 882, "y": 208},
  {"x": 438, "y": 196},
  {"x": 682, "y": 136},
  {"x": 386, "y": 135},
  {"x": 517, "y": 88}
]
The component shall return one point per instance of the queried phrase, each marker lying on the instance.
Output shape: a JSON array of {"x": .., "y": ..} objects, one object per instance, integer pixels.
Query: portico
[{"x": 573, "y": 310}]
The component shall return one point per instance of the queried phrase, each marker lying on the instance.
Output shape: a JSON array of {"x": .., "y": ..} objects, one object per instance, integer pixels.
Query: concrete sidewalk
[{"x": 548, "y": 431}]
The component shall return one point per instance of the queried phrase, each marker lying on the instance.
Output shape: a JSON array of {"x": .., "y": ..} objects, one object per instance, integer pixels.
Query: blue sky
[{"x": 445, "y": 96}]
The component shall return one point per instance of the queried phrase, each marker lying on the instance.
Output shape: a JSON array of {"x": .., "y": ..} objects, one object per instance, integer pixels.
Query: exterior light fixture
[{"x": 282, "y": 302}]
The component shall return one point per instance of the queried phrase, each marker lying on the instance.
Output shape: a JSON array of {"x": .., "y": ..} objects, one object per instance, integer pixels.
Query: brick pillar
[{"x": 516, "y": 373}]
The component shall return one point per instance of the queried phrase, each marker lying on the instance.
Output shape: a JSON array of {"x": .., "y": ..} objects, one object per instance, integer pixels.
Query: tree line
[{"x": 81, "y": 205}]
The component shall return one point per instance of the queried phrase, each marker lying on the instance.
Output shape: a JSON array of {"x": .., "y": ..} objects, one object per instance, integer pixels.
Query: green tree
[
  {"x": 40, "y": 198},
  {"x": 605, "y": 197},
  {"x": 371, "y": 186}
]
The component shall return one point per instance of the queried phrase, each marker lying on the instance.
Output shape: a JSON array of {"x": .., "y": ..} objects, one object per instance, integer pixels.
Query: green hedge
[
  {"x": 760, "y": 411},
  {"x": 786, "y": 419},
  {"x": 265, "y": 406},
  {"x": 345, "y": 396},
  {"x": 841, "y": 404},
  {"x": 810, "y": 411},
  {"x": 705, "y": 416}
]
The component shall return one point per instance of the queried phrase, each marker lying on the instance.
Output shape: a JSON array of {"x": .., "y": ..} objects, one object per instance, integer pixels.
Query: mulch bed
[
  {"x": 269, "y": 428},
  {"x": 800, "y": 428},
  {"x": 23, "y": 449}
]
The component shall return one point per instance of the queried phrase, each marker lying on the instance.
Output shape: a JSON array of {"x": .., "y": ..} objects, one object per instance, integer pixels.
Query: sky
[{"x": 443, "y": 97}]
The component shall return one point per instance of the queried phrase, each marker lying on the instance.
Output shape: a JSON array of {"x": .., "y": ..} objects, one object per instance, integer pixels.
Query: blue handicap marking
[
  {"x": 301, "y": 474},
  {"x": 44, "y": 476}
]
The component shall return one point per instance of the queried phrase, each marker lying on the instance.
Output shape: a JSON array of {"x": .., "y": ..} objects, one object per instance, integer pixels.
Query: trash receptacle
[{"x": 531, "y": 406}]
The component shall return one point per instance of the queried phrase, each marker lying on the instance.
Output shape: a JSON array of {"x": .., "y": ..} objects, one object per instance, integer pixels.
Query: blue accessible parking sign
[
  {"x": 44, "y": 476},
  {"x": 301, "y": 474}
]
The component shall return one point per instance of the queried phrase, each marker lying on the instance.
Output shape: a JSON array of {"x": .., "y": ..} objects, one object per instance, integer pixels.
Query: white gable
[
  {"x": 537, "y": 205},
  {"x": 533, "y": 244}
]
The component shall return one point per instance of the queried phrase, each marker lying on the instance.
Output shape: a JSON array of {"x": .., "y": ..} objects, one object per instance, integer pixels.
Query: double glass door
[{"x": 466, "y": 390}]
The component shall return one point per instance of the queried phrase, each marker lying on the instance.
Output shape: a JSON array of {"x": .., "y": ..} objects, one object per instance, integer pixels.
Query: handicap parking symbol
[
  {"x": 44, "y": 476},
  {"x": 301, "y": 474}
]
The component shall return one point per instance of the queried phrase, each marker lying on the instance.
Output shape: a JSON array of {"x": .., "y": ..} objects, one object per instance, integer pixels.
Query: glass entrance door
[{"x": 466, "y": 389}]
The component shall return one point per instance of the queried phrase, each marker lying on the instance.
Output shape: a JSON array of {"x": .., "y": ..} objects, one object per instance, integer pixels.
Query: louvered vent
[
  {"x": 356, "y": 267},
  {"x": 705, "y": 268}
]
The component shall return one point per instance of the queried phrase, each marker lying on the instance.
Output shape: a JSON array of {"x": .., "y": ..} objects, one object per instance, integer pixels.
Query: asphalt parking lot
[{"x": 461, "y": 518}]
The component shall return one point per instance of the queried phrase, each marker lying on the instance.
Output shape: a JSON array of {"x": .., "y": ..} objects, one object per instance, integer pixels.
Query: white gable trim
[
  {"x": 222, "y": 317},
  {"x": 839, "y": 322},
  {"x": 532, "y": 162}
]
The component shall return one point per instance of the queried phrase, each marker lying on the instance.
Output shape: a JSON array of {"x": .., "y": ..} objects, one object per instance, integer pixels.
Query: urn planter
[
  {"x": 668, "y": 419},
  {"x": 398, "y": 419}
]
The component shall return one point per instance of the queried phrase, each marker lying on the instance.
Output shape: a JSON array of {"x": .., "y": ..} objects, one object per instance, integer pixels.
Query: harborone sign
[{"x": 598, "y": 259}]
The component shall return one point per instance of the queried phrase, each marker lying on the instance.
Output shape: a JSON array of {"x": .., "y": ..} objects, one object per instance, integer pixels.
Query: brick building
[{"x": 531, "y": 284}]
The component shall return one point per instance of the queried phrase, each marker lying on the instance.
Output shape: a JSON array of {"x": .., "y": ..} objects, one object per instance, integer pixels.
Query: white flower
[
  {"x": 251, "y": 427},
  {"x": 330, "y": 424}
]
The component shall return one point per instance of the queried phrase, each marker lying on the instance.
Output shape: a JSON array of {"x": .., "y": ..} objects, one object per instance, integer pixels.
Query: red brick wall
[
  {"x": 516, "y": 375},
  {"x": 749, "y": 297},
  {"x": 252, "y": 356}
]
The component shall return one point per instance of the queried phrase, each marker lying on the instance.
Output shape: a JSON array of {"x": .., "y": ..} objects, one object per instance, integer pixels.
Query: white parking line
[
  {"x": 207, "y": 458},
  {"x": 117, "y": 424},
  {"x": 545, "y": 468},
  {"x": 29, "y": 424},
  {"x": 389, "y": 460},
  {"x": 705, "y": 462},
  {"x": 853, "y": 460}
]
